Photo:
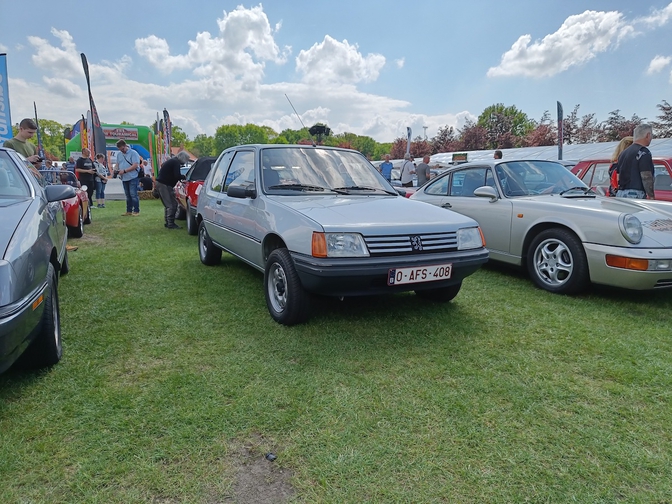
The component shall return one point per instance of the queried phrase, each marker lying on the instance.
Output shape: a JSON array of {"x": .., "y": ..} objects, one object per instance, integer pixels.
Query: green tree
[
  {"x": 229, "y": 135},
  {"x": 504, "y": 126},
  {"x": 663, "y": 127},
  {"x": 202, "y": 145},
  {"x": 180, "y": 138}
]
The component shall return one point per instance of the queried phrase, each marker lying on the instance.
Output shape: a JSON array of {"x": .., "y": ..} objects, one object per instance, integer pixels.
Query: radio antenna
[{"x": 297, "y": 115}]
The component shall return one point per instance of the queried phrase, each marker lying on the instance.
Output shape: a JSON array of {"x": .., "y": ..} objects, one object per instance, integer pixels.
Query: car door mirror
[
  {"x": 486, "y": 192},
  {"x": 242, "y": 192},
  {"x": 59, "y": 192}
]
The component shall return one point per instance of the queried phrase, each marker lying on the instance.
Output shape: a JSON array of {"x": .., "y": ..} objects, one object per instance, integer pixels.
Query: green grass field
[{"x": 175, "y": 381}]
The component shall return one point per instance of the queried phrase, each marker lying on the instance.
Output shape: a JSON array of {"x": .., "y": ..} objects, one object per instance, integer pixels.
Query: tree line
[{"x": 497, "y": 127}]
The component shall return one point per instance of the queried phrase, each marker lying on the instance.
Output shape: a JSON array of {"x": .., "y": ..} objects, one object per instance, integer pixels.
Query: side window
[
  {"x": 465, "y": 182},
  {"x": 601, "y": 176},
  {"x": 220, "y": 169},
  {"x": 490, "y": 179},
  {"x": 241, "y": 171},
  {"x": 588, "y": 175},
  {"x": 439, "y": 187},
  {"x": 661, "y": 179}
]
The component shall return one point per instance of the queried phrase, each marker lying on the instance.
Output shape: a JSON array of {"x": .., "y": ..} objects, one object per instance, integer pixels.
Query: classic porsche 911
[
  {"x": 323, "y": 220},
  {"x": 538, "y": 215},
  {"x": 32, "y": 256}
]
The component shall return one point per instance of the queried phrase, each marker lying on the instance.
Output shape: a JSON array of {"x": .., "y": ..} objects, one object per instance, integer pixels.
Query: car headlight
[
  {"x": 631, "y": 228},
  {"x": 470, "y": 238},
  {"x": 338, "y": 245}
]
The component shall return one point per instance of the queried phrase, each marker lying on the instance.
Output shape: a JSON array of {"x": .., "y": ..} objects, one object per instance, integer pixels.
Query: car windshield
[
  {"x": 59, "y": 177},
  {"x": 12, "y": 183},
  {"x": 525, "y": 178},
  {"x": 313, "y": 170}
]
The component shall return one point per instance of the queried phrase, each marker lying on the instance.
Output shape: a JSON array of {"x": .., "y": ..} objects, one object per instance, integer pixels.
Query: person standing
[
  {"x": 613, "y": 169},
  {"x": 635, "y": 166},
  {"x": 86, "y": 173},
  {"x": 169, "y": 174},
  {"x": 101, "y": 179},
  {"x": 20, "y": 143},
  {"x": 128, "y": 162},
  {"x": 386, "y": 168},
  {"x": 407, "y": 171},
  {"x": 498, "y": 154},
  {"x": 423, "y": 171},
  {"x": 70, "y": 165}
]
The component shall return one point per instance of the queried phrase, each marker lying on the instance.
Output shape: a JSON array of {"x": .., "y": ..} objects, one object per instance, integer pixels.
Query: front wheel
[
  {"x": 556, "y": 262},
  {"x": 286, "y": 299},
  {"x": 440, "y": 294},
  {"x": 47, "y": 349},
  {"x": 207, "y": 251},
  {"x": 192, "y": 227}
]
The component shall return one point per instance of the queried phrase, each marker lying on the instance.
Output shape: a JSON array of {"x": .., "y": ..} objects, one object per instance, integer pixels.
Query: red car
[
  {"x": 187, "y": 191},
  {"x": 595, "y": 174},
  {"x": 77, "y": 210}
]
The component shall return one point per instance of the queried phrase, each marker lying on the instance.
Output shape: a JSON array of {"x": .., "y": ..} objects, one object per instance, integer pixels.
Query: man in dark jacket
[
  {"x": 635, "y": 166},
  {"x": 169, "y": 174}
]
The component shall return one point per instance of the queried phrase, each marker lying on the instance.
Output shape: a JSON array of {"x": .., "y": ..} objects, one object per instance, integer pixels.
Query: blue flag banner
[{"x": 5, "y": 116}]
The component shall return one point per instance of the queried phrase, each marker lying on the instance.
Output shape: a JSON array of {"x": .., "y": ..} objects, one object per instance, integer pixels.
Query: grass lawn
[{"x": 175, "y": 382}]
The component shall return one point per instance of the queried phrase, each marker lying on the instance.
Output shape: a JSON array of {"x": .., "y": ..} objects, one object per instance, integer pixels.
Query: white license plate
[{"x": 401, "y": 276}]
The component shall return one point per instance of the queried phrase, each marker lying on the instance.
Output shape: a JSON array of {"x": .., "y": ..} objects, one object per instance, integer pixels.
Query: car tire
[
  {"x": 77, "y": 232},
  {"x": 286, "y": 299},
  {"x": 440, "y": 294},
  {"x": 65, "y": 265},
  {"x": 180, "y": 212},
  {"x": 47, "y": 348},
  {"x": 209, "y": 253},
  {"x": 87, "y": 219},
  {"x": 556, "y": 262},
  {"x": 192, "y": 226}
]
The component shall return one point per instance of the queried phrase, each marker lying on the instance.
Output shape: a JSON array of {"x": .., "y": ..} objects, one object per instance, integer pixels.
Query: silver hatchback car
[{"x": 323, "y": 220}]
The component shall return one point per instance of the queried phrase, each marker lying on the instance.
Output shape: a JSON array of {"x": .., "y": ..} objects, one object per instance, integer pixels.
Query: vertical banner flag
[
  {"x": 83, "y": 134},
  {"x": 89, "y": 135},
  {"x": 40, "y": 148},
  {"x": 168, "y": 131},
  {"x": 561, "y": 130},
  {"x": 5, "y": 116},
  {"x": 161, "y": 149},
  {"x": 97, "y": 134},
  {"x": 408, "y": 141}
]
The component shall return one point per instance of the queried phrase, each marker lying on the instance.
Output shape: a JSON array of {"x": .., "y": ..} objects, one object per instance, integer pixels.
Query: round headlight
[{"x": 631, "y": 228}]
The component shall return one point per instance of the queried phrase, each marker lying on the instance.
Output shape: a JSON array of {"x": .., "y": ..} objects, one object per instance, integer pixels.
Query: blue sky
[{"x": 366, "y": 67}]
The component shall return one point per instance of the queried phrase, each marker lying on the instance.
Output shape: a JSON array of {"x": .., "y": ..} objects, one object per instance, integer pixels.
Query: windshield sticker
[{"x": 659, "y": 225}]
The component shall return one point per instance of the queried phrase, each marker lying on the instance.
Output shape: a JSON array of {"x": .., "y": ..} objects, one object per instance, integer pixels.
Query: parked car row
[
  {"x": 77, "y": 209},
  {"x": 33, "y": 254}
]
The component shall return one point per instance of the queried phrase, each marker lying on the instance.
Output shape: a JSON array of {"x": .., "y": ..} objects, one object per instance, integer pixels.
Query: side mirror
[
  {"x": 401, "y": 191},
  {"x": 486, "y": 192},
  {"x": 242, "y": 192},
  {"x": 58, "y": 192}
]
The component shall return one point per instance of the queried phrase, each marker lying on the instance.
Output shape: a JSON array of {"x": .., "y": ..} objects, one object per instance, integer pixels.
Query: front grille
[
  {"x": 663, "y": 284},
  {"x": 429, "y": 243}
]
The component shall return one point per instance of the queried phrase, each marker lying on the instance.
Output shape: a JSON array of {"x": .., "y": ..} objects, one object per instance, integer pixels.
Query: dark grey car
[{"x": 33, "y": 253}]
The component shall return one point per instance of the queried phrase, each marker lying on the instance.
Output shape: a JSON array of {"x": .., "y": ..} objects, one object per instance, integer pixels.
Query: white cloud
[
  {"x": 334, "y": 62},
  {"x": 238, "y": 53},
  {"x": 64, "y": 61},
  {"x": 658, "y": 63},
  {"x": 578, "y": 40},
  {"x": 400, "y": 62},
  {"x": 63, "y": 87},
  {"x": 657, "y": 18},
  {"x": 3, "y": 48}
]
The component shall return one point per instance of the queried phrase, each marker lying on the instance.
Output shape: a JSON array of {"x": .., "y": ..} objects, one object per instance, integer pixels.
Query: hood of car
[
  {"x": 382, "y": 213},
  {"x": 11, "y": 213}
]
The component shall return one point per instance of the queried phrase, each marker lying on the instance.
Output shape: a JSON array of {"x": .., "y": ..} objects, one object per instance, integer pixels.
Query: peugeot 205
[{"x": 320, "y": 220}]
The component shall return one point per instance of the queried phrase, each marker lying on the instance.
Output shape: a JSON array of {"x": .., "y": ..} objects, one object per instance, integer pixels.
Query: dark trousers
[{"x": 169, "y": 201}]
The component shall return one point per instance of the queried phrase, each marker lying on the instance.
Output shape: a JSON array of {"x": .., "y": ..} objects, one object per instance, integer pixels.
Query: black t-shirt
[
  {"x": 145, "y": 183},
  {"x": 84, "y": 164},
  {"x": 169, "y": 173},
  {"x": 631, "y": 163}
]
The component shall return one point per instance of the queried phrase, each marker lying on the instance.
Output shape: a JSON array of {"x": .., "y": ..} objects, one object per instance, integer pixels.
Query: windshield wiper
[
  {"x": 346, "y": 190},
  {"x": 584, "y": 190},
  {"x": 298, "y": 187}
]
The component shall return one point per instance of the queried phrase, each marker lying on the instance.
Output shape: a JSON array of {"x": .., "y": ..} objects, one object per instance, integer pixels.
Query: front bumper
[
  {"x": 369, "y": 275},
  {"x": 601, "y": 273},
  {"x": 19, "y": 322}
]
